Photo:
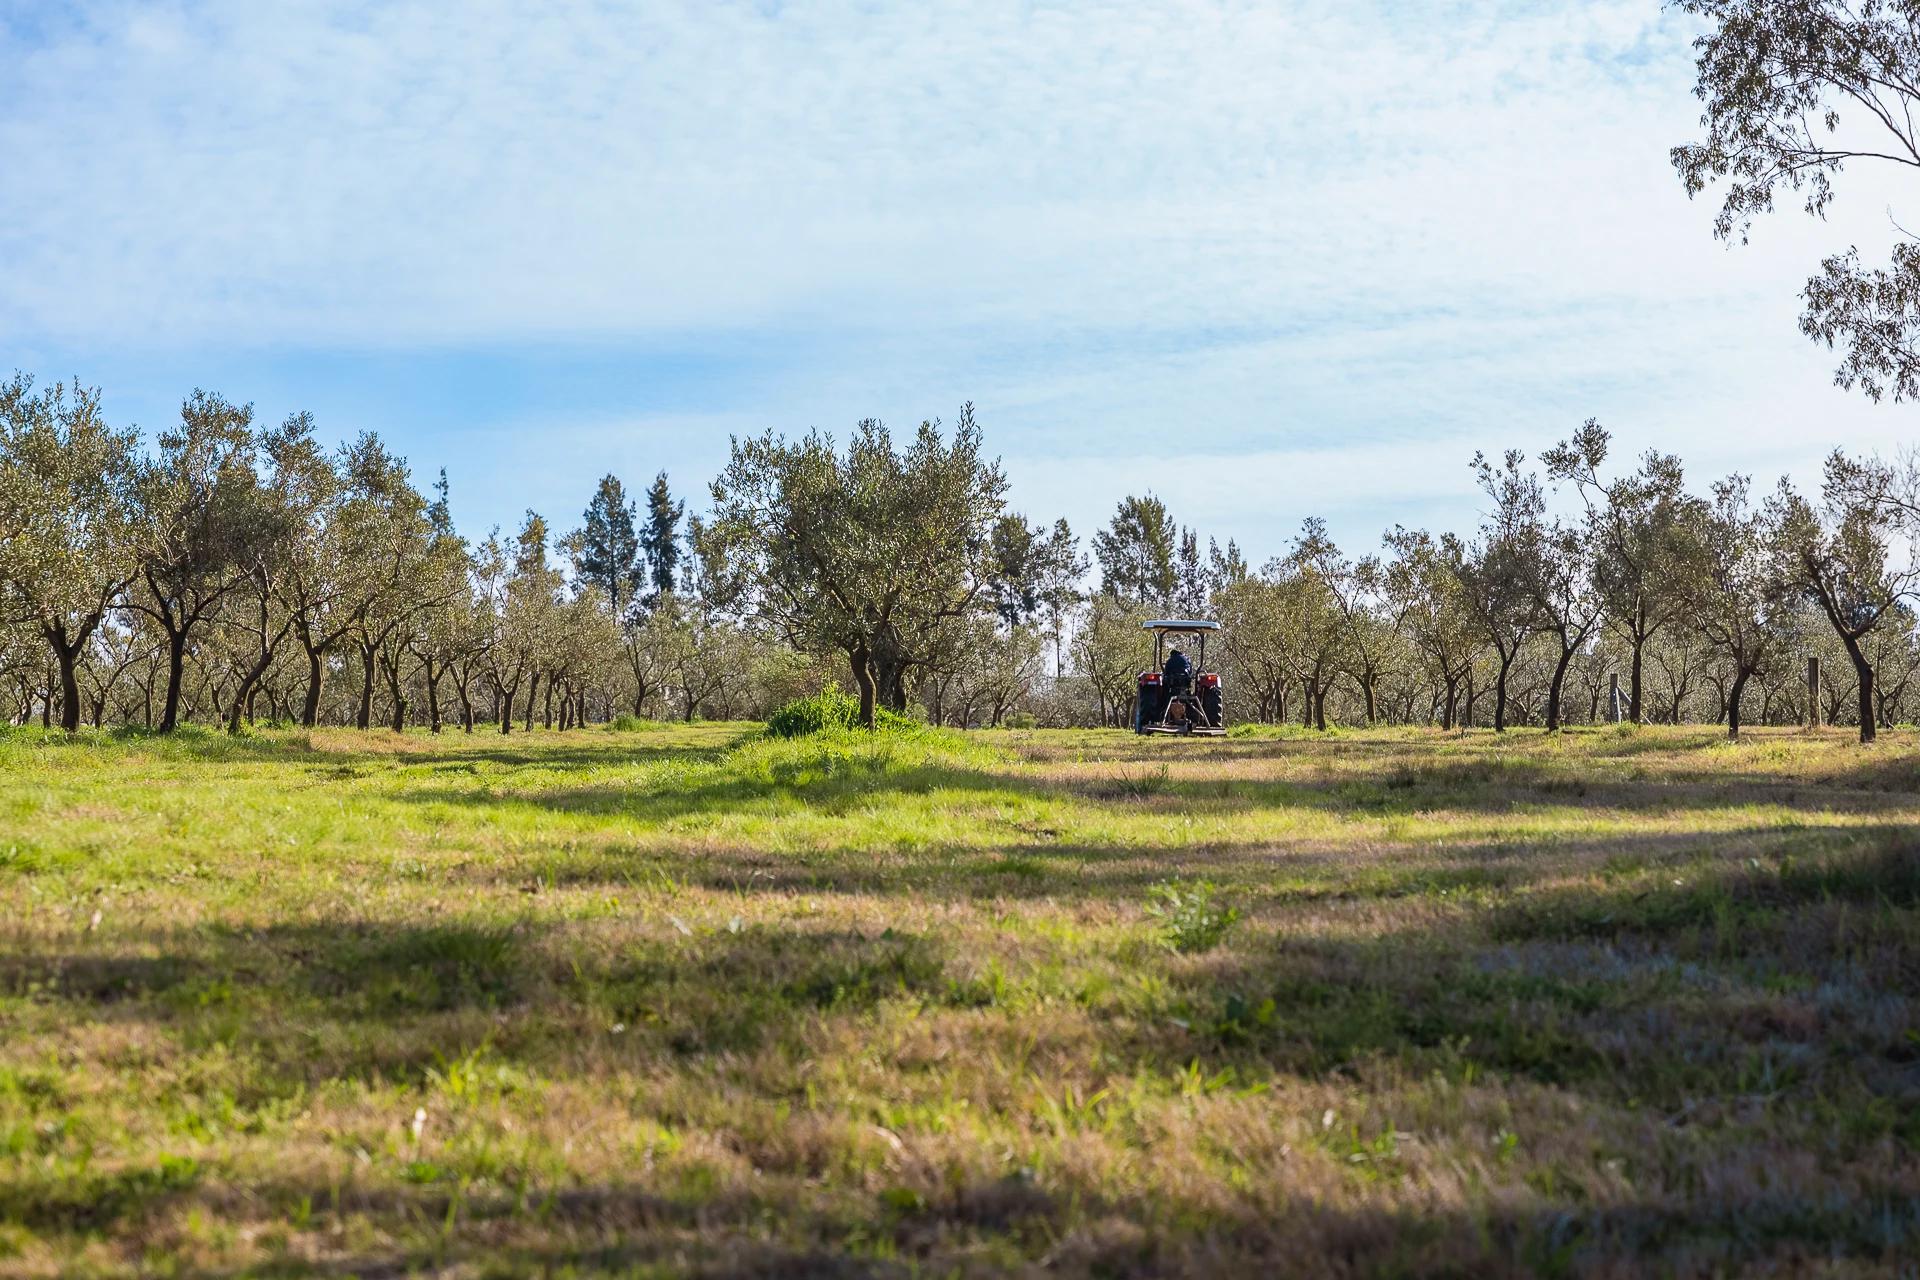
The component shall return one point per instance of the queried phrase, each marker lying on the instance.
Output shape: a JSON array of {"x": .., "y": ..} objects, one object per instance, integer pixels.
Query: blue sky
[{"x": 1268, "y": 260}]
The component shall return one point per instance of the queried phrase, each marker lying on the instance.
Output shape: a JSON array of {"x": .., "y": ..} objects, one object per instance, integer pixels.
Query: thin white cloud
[
  {"x": 423, "y": 173},
  {"x": 1299, "y": 235}
]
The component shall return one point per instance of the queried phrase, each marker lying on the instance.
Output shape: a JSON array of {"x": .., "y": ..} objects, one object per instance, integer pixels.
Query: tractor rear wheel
[
  {"x": 1214, "y": 705},
  {"x": 1149, "y": 706}
]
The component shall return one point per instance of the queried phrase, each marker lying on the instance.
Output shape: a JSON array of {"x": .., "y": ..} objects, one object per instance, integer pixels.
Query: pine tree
[
  {"x": 1224, "y": 568},
  {"x": 660, "y": 541},
  {"x": 609, "y": 553},
  {"x": 1136, "y": 552},
  {"x": 1036, "y": 571},
  {"x": 1190, "y": 589},
  {"x": 440, "y": 514}
]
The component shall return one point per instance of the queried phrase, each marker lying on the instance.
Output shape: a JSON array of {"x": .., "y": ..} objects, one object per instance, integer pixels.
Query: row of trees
[
  {"x": 238, "y": 570},
  {"x": 905, "y": 563},
  {"x": 1689, "y": 598},
  {"x": 241, "y": 569}
]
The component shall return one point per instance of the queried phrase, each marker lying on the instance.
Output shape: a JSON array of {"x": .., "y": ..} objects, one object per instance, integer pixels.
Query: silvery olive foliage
[{"x": 232, "y": 571}]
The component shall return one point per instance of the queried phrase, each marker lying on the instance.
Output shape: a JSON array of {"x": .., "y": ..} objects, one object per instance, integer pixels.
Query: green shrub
[
  {"x": 1190, "y": 920},
  {"x": 629, "y": 724},
  {"x": 832, "y": 710}
]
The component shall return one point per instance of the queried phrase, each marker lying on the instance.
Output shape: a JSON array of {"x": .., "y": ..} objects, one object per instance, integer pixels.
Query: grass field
[{"x": 685, "y": 1000}]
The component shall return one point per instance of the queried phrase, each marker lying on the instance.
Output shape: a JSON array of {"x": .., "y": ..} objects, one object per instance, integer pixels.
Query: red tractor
[{"x": 1179, "y": 697}]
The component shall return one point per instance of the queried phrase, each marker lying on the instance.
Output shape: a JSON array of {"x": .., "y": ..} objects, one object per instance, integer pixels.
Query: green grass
[{"x": 691, "y": 1000}]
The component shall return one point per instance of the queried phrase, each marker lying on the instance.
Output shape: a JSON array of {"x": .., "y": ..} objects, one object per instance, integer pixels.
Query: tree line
[{"x": 238, "y": 571}]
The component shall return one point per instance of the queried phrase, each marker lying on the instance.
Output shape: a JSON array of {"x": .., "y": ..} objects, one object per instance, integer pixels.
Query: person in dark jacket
[{"x": 1178, "y": 673}]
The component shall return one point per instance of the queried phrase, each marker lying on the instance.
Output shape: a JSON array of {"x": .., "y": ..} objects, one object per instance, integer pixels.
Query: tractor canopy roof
[{"x": 1179, "y": 624}]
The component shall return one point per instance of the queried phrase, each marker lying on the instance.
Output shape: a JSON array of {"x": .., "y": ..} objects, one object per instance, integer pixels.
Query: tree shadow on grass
[
  {"x": 1500, "y": 784},
  {"x": 1885, "y": 769},
  {"x": 568, "y": 749},
  {"x": 1264, "y": 874},
  {"x": 410, "y": 966},
  {"x": 1787, "y": 987},
  {"x": 387, "y": 998},
  {"x": 192, "y": 742},
  {"x": 574, "y": 754},
  {"x": 1122, "y": 746},
  {"x": 1883, "y": 874},
  {"x": 855, "y": 786},
  {"x": 853, "y": 783},
  {"x": 562, "y": 758},
  {"x": 1074, "y": 1228}
]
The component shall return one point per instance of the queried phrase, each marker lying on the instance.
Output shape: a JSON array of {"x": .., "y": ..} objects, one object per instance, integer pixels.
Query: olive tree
[
  {"x": 865, "y": 552},
  {"x": 1639, "y": 528},
  {"x": 1496, "y": 571},
  {"x": 1734, "y": 600},
  {"x": 356, "y": 546},
  {"x": 1436, "y": 612},
  {"x": 258, "y": 615},
  {"x": 526, "y": 593},
  {"x": 1843, "y": 557},
  {"x": 1310, "y": 613},
  {"x": 69, "y": 529},
  {"x": 314, "y": 581},
  {"x": 1569, "y": 609},
  {"x": 1108, "y": 651},
  {"x": 1256, "y": 642},
  {"x": 198, "y": 503}
]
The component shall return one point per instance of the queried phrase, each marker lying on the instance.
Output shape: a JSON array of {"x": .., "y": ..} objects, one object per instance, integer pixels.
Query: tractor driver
[{"x": 1178, "y": 673}]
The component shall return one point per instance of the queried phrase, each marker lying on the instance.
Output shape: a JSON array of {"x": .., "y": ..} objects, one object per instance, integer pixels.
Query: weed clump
[
  {"x": 1137, "y": 786},
  {"x": 832, "y": 710},
  {"x": 1191, "y": 920}
]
